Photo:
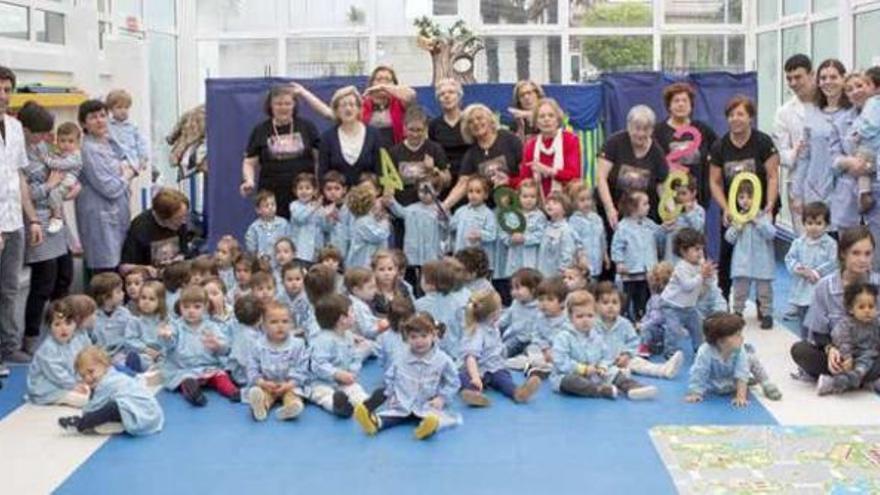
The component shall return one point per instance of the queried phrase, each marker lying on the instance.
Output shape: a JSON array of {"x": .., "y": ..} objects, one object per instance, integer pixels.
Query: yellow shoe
[
  {"x": 427, "y": 427},
  {"x": 365, "y": 419}
]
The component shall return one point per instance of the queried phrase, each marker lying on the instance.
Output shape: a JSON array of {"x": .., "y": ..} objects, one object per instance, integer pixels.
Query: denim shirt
[
  {"x": 753, "y": 255},
  {"x": 635, "y": 244},
  {"x": 261, "y": 236},
  {"x": 816, "y": 254},
  {"x": 712, "y": 373}
]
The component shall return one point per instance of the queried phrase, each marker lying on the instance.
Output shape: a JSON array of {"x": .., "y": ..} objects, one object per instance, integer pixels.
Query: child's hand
[
  {"x": 813, "y": 276},
  {"x": 622, "y": 361},
  {"x": 517, "y": 238},
  {"x": 164, "y": 331},
  {"x": 382, "y": 325},
  {"x": 152, "y": 353},
  {"x": 740, "y": 401},
  {"x": 600, "y": 370},
  {"x": 474, "y": 236},
  {"x": 344, "y": 377},
  {"x": 847, "y": 364},
  {"x": 437, "y": 403},
  {"x": 708, "y": 269},
  {"x": 669, "y": 225},
  {"x": 693, "y": 398},
  {"x": 210, "y": 341},
  {"x": 548, "y": 355},
  {"x": 81, "y": 388},
  {"x": 622, "y": 269}
]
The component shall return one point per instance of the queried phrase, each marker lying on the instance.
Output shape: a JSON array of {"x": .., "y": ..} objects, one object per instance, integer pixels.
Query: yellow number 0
[
  {"x": 667, "y": 209},
  {"x": 737, "y": 216}
]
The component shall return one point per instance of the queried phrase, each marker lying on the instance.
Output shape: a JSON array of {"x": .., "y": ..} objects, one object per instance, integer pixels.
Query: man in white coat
[{"x": 14, "y": 200}]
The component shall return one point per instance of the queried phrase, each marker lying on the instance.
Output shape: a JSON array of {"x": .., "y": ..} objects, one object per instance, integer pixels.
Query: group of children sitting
[{"x": 279, "y": 323}]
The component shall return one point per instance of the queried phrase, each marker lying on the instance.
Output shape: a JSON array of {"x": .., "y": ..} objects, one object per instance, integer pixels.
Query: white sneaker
[
  {"x": 109, "y": 429},
  {"x": 642, "y": 393},
  {"x": 673, "y": 365},
  {"x": 4, "y": 370},
  {"x": 55, "y": 225},
  {"x": 291, "y": 412},
  {"x": 257, "y": 400}
]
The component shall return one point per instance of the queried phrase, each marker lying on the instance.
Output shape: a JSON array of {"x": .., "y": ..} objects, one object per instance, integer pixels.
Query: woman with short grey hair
[{"x": 630, "y": 159}]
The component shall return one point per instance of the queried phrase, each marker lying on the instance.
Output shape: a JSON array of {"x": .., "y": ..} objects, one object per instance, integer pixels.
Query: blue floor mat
[
  {"x": 554, "y": 444},
  {"x": 14, "y": 387}
]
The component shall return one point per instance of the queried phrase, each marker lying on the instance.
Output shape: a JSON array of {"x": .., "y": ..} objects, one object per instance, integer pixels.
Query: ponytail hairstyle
[{"x": 480, "y": 307}]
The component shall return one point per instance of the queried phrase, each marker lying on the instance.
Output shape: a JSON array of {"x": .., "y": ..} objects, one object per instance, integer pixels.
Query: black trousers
[
  {"x": 814, "y": 361},
  {"x": 50, "y": 280}
]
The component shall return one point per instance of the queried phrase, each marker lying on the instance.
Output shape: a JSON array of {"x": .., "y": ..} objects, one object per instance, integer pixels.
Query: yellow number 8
[
  {"x": 667, "y": 209},
  {"x": 737, "y": 216}
]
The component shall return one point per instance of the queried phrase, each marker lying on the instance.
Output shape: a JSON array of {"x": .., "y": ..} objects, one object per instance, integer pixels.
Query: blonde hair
[
  {"x": 560, "y": 115},
  {"x": 361, "y": 199},
  {"x": 91, "y": 354},
  {"x": 659, "y": 276},
  {"x": 480, "y": 306},
  {"x": 531, "y": 184},
  {"x": 468, "y": 114},
  {"x": 342, "y": 93},
  {"x": 118, "y": 97},
  {"x": 579, "y": 298}
]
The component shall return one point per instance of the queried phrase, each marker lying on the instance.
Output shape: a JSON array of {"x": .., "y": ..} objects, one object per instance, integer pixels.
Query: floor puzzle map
[{"x": 771, "y": 459}]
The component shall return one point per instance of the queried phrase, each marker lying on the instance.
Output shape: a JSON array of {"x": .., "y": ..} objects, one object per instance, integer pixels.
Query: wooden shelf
[{"x": 48, "y": 100}]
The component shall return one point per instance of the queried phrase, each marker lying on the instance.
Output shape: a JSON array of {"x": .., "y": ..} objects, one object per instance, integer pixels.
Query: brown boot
[
  {"x": 527, "y": 390},
  {"x": 474, "y": 398}
]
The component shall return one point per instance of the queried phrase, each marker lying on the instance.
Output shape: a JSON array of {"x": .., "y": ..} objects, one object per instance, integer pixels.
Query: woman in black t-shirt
[
  {"x": 417, "y": 157},
  {"x": 742, "y": 149},
  {"x": 679, "y": 101},
  {"x": 445, "y": 129},
  {"x": 494, "y": 153},
  {"x": 282, "y": 146},
  {"x": 629, "y": 160},
  {"x": 526, "y": 95}
]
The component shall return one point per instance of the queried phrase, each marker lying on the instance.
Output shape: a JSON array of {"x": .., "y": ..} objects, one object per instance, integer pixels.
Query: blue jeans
[
  {"x": 499, "y": 380},
  {"x": 681, "y": 322}
]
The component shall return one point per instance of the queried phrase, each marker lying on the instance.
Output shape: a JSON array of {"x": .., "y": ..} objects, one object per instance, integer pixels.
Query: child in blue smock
[
  {"x": 285, "y": 252},
  {"x": 444, "y": 300},
  {"x": 370, "y": 228},
  {"x": 306, "y": 219},
  {"x": 118, "y": 402},
  {"x": 535, "y": 358},
  {"x": 361, "y": 285},
  {"x": 195, "y": 349},
  {"x": 112, "y": 317},
  {"x": 476, "y": 269},
  {"x": 811, "y": 256},
  {"x": 589, "y": 230},
  {"x": 335, "y": 363},
  {"x": 227, "y": 250},
  {"x": 679, "y": 297},
  {"x": 634, "y": 250},
  {"x": 753, "y": 260},
  {"x": 219, "y": 308},
  {"x": 482, "y": 355},
  {"x": 174, "y": 277},
  {"x": 336, "y": 217},
  {"x": 142, "y": 340},
  {"x": 260, "y": 237},
  {"x": 620, "y": 343},
  {"x": 243, "y": 332},
  {"x": 578, "y": 353},
  {"x": 857, "y": 338},
  {"x": 558, "y": 245},
  {"x": 420, "y": 385},
  {"x": 278, "y": 367},
  {"x": 692, "y": 216},
  {"x": 653, "y": 326},
  {"x": 51, "y": 377},
  {"x": 474, "y": 224},
  {"x": 126, "y": 133},
  {"x": 723, "y": 365},
  {"x": 522, "y": 248},
  {"x": 517, "y": 323},
  {"x": 426, "y": 224}
]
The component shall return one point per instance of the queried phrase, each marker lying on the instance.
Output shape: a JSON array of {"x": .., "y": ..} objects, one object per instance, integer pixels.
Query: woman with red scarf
[
  {"x": 384, "y": 105},
  {"x": 553, "y": 156}
]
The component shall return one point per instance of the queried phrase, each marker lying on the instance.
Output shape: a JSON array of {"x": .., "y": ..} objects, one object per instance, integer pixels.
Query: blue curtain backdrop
[{"x": 235, "y": 105}]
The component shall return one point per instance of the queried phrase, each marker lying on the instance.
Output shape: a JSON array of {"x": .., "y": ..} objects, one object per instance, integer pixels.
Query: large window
[
  {"x": 512, "y": 58},
  {"x": 703, "y": 53},
  {"x": 867, "y": 49},
  {"x": 238, "y": 15},
  {"x": 597, "y": 54},
  {"x": 769, "y": 76},
  {"x": 238, "y": 58},
  {"x": 825, "y": 38},
  {"x": 519, "y": 12},
  {"x": 322, "y": 57},
  {"x": 703, "y": 11},
  {"x": 49, "y": 27},
  {"x": 610, "y": 13}
]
